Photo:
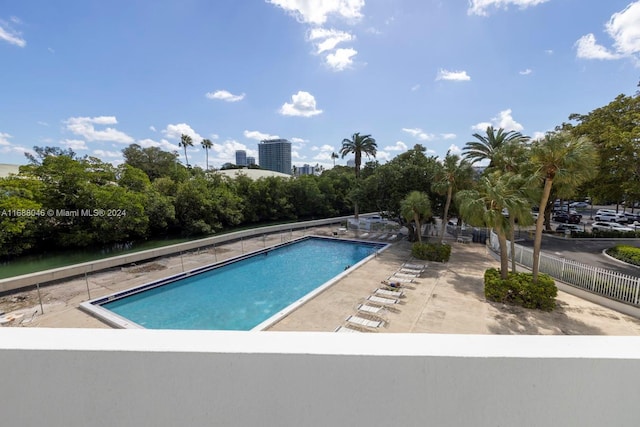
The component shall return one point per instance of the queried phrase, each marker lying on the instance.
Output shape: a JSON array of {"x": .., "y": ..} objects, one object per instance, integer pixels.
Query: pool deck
[{"x": 448, "y": 298}]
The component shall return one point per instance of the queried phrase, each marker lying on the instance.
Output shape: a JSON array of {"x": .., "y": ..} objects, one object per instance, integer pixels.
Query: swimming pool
[{"x": 249, "y": 292}]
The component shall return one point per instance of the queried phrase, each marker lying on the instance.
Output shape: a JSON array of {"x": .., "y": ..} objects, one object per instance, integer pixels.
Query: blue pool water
[{"x": 242, "y": 294}]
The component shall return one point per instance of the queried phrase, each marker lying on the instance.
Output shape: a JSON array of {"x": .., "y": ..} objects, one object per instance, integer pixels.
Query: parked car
[
  {"x": 631, "y": 217},
  {"x": 579, "y": 205},
  {"x": 602, "y": 211},
  {"x": 567, "y": 218},
  {"x": 610, "y": 217},
  {"x": 571, "y": 227},
  {"x": 609, "y": 226}
]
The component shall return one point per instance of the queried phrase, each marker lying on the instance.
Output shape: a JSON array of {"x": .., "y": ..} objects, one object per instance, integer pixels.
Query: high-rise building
[
  {"x": 306, "y": 170},
  {"x": 275, "y": 155},
  {"x": 251, "y": 161},
  {"x": 241, "y": 158}
]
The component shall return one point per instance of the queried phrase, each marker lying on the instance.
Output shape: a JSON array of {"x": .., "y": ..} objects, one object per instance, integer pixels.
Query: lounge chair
[
  {"x": 382, "y": 300},
  {"x": 392, "y": 237},
  {"x": 361, "y": 320},
  {"x": 388, "y": 293},
  {"x": 371, "y": 309},
  {"x": 364, "y": 235},
  {"x": 405, "y": 275},
  {"x": 411, "y": 270},
  {"x": 415, "y": 266},
  {"x": 400, "y": 279},
  {"x": 351, "y": 328}
]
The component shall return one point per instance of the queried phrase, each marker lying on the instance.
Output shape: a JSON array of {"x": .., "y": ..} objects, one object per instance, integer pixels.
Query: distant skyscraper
[
  {"x": 251, "y": 161},
  {"x": 275, "y": 155},
  {"x": 351, "y": 163},
  {"x": 306, "y": 170},
  {"x": 241, "y": 158}
]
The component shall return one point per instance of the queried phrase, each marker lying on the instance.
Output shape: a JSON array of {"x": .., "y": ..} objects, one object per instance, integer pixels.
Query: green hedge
[
  {"x": 626, "y": 253},
  {"x": 518, "y": 289},
  {"x": 431, "y": 251}
]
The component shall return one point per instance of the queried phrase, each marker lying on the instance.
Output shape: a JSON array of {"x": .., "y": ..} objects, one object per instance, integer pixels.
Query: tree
[
  {"x": 565, "y": 160},
  {"x": 484, "y": 206},
  {"x": 358, "y": 145},
  {"x": 416, "y": 206},
  {"x": 453, "y": 175},
  {"x": 334, "y": 156},
  {"x": 207, "y": 144},
  {"x": 488, "y": 147},
  {"x": 185, "y": 141},
  {"x": 154, "y": 162}
]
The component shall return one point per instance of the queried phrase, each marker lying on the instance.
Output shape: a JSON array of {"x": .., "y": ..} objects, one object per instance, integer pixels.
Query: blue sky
[{"x": 96, "y": 76}]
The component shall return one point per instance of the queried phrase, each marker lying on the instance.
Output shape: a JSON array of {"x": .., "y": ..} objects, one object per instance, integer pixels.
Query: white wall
[{"x": 66, "y": 377}]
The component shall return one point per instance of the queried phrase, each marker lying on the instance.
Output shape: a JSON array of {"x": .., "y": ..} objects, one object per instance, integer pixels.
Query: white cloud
[
  {"x": 448, "y": 135},
  {"x": 454, "y": 149},
  {"x": 103, "y": 153},
  {"x": 259, "y": 136},
  {"x": 163, "y": 143},
  {"x": 398, "y": 146},
  {"x": 538, "y": 135},
  {"x": 419, "y": 134},
  {"x": 84, "y": 126},
  {"x": 225, "y": 96},
  {"x": 325, "y": 39},
  {"x": 587, "y": 48},
  {"x": 316, "y": 12},
  {"x": 504, "y": 120},
  {"x": 11, "y": 36},
  {"x": 624, "y": 28},
  {"x": 75, "y": 144},
  {"x": 298, "y": 140},
  {"x": 51, "y": 50},
  {"x": 525, "y": 72},
  {"x": 4, "y": 138},
  {"x": 341, "y": 58},
  {"x": 453, "y": 75},
  {"x": 415, "y": 87},
  {"x": 549, "y": 52},
  {"x": 303, "y": 105},
  {"x": 152, "y": 128},
  {"x": 480, "y": 7},
  {"x": 176, "y": 132},
  {"x": 41, "y": 123}
]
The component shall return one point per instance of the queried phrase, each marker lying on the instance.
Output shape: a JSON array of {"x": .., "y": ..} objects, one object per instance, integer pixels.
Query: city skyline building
[
  {"x": 275, "y": 155},
  {"x": 241, "y": 158}
]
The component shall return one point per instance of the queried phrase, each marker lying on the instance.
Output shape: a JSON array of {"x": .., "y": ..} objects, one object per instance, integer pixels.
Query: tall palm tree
[
  {"x": 207, "y": 144},
  {"x": 452, "y": 176},
  {"x": 484, "y": 205},
  {"x": 416, "y": 206},
  {"x": 564, "y": 160},
  {"x": 488, "y": 147},
  {"x": 185, "y": 141},
  {"x": 358, "y": 145},
  {"x": 334, "y": 156}
]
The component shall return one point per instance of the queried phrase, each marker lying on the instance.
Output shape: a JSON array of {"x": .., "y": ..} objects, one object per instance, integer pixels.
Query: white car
[
  {"x": 610, "y": 217},
  {"x": 610, "y": 226}
]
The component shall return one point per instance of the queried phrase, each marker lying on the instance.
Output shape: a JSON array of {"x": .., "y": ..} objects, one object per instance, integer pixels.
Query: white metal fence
[{"x": 600, "y": 281}]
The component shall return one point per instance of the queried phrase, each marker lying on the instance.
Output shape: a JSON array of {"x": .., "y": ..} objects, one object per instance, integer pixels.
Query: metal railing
[{"x": 600, "y": 281}]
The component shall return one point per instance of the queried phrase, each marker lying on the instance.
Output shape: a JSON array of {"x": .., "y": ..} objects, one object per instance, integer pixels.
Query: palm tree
[
  {"x": 416, "y": 206},
  {"x": 485, "y": 204},
  {"x": 207, "y": 144},
  {"x": 358, "y": 145},
  {"x": 185, "y": 141},
  {"x": 488, "y": 147},
  {"x": 453, "y": 175},
  {"x": 334, "y": 156},
  {"x": 560, "y": 159}
]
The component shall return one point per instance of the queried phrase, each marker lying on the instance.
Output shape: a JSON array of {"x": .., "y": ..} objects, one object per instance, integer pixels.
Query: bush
[
  {"x": 431, "y": 251},
  {"x": 626, "y": 253},
  {"x": 519, "y": 289}
]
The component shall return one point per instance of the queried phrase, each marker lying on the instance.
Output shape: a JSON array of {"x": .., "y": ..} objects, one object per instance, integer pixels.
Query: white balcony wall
[{"x": 64, "y": 377}]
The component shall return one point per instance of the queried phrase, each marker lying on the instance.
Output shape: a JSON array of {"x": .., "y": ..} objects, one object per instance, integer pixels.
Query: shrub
[
  {"x": 431, "y": 251},
  {"x": 519, "y": 289},
  {"x": 626, "y": 253}
]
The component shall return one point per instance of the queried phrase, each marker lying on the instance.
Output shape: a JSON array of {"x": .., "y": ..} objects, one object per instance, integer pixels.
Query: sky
[{"x": 96, "y": 76}]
